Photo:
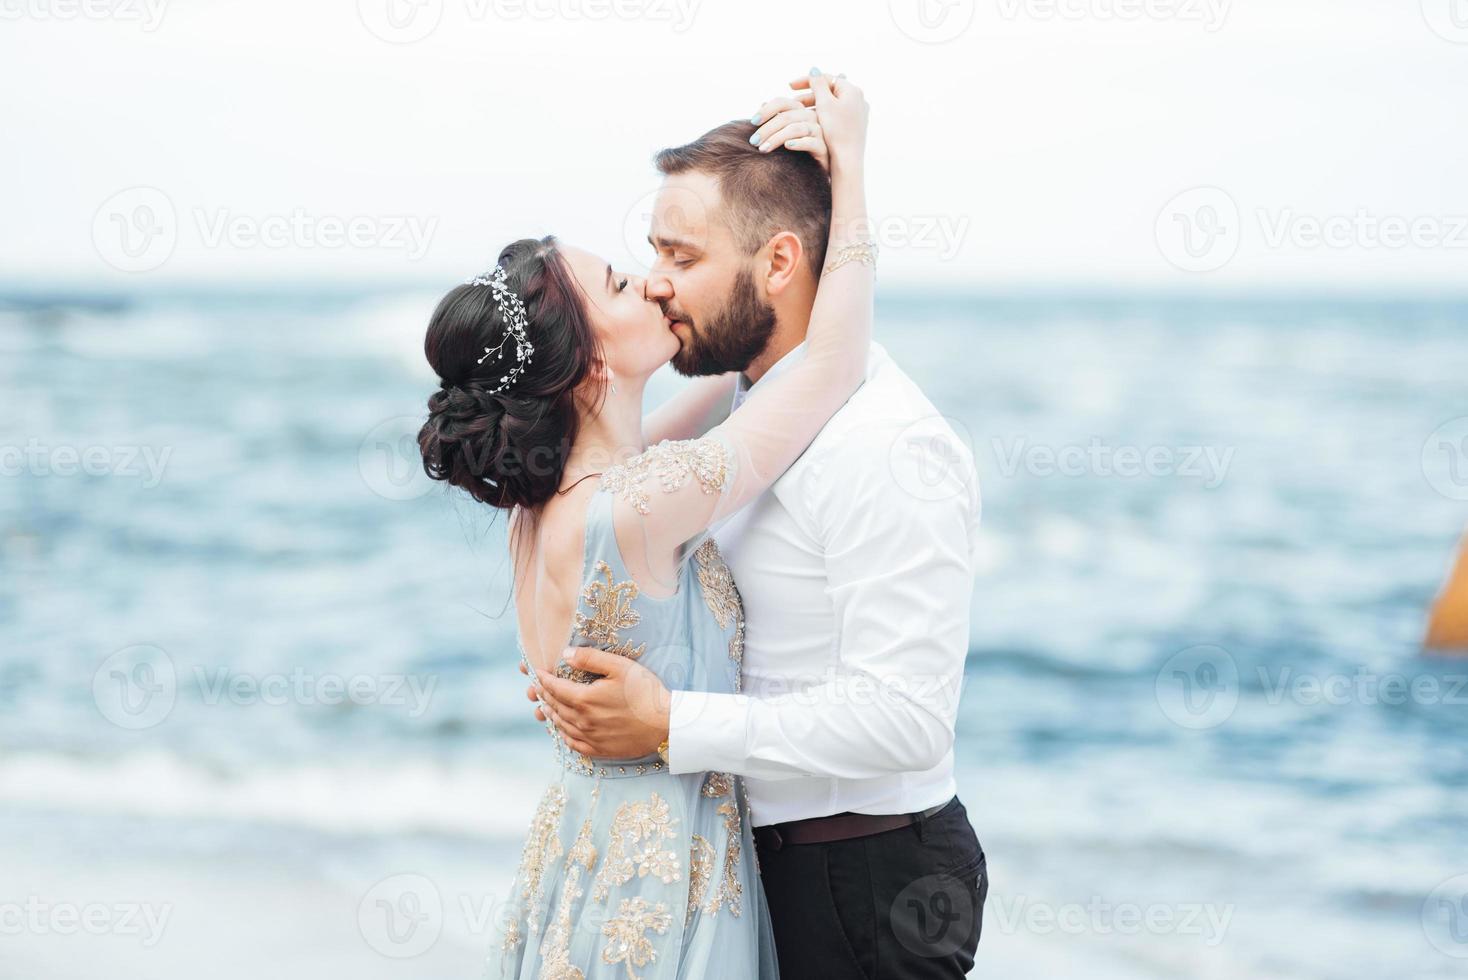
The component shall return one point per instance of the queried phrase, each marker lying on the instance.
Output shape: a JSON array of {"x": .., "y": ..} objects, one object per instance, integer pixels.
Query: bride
[{"x": 628, "y": 870}]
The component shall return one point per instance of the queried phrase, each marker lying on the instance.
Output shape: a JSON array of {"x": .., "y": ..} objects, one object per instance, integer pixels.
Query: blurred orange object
[{"x": 1447, "y": 625}]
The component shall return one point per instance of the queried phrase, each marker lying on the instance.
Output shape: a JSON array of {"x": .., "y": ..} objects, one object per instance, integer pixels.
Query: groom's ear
[{"x": 786, "y": 257}]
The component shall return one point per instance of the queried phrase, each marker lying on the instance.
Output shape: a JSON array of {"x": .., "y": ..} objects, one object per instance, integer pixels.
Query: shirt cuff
[{"x": 707, "y": 732}]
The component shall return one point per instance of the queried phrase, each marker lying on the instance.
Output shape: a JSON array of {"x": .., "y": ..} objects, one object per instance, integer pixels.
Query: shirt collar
[{"x": 743, "y": 386}]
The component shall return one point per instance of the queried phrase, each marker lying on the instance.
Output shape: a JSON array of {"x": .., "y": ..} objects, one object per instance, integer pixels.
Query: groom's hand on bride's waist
[{"x": 621, "y": 715}]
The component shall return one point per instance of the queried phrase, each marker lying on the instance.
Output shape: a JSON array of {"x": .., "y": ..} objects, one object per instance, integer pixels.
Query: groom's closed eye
[{"x": 681, "y": 252}]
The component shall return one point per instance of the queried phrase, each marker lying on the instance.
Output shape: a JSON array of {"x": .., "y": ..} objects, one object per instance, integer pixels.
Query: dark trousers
[{"x": 907, "y": 904}]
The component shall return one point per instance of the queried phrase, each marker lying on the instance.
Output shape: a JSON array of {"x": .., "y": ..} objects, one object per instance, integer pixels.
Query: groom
[{"x": 856, "y": 571}]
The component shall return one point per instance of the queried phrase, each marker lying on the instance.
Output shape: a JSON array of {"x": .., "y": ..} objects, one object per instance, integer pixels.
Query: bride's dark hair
[{"x": 509, "y": 448}]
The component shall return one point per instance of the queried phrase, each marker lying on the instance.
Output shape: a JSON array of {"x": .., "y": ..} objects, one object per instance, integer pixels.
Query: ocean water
[{"x": 256, "y": 672}]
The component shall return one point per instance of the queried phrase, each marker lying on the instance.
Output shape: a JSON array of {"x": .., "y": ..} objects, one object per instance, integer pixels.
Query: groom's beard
[{"x": 732, "y": 338}]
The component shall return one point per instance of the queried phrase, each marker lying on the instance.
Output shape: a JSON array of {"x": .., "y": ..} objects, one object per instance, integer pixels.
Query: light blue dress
[{"x": 629, "y": 871}]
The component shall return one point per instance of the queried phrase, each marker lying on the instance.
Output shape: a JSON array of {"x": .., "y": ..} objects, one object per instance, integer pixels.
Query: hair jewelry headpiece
[{"x": 517, "y": 325}]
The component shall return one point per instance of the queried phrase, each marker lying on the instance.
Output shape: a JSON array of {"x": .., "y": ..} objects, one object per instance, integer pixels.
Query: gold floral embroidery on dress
[
  {"x": 721, "y": 595},
  {"x": 568, "y": 759},
  {"x": 672, "y": 463},
  {"x": 512, "y": 934},
  {"x": 575, "y": 761},
  {"x": 700, "y": 873},
  {"x": 638, "y": 831},
  {"x": 626, "y": 932},
  {"x": 749, "y": 819},
  {"x": 612, "y": 612},
  {"x": 730, "y": 889},
  {"x": 555, "y": 949},
  {"x": 542, "y": 846},
  {"x": 717, "y": 784},
  {"x": 736, "y": 654}
]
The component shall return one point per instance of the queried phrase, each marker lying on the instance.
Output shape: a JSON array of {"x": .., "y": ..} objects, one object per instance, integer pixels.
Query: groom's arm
[
  {"x": 895, "y": 513},
  {"x": 896, "y": 520}
]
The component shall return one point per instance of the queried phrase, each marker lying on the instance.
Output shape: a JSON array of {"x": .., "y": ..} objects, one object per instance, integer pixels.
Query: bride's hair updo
[{"x": 508, "y": 448}]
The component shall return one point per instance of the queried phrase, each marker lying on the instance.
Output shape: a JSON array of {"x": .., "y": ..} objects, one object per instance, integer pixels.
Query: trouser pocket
[{"x": 931, "y": 884}]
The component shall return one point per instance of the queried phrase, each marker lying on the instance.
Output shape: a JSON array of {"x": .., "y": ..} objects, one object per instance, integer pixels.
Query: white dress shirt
[{"x": 856, "y": 571}]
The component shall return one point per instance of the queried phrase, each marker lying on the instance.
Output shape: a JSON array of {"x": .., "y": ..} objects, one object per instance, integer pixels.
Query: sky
[{"x": 1013, "y": 143}]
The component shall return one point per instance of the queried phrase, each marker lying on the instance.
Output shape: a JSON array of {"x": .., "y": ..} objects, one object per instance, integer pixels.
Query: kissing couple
[{"x": 745, "y": 614}]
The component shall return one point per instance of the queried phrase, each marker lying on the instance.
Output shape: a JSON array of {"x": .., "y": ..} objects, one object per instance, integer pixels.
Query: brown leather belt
[{"x": 838, "y": 826}]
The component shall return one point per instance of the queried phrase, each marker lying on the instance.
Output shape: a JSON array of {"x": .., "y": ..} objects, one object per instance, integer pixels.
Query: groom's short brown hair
[{"x": 764, "y": 193}]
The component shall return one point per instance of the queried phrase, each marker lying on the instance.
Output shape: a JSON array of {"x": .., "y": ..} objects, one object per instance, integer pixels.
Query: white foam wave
[{"x": 357, "y": 797}]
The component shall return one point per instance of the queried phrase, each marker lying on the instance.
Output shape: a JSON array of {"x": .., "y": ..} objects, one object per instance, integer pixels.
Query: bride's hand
[
  {"x": 791, "y": 121},
  {"x": 826, "y": 116}
]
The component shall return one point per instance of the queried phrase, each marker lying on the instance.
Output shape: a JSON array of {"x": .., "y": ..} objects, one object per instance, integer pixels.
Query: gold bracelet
[{"x": 864, "y": 252}]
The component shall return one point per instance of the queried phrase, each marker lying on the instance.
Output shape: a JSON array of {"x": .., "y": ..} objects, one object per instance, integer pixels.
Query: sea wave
[{"x": 379, "y": 797}]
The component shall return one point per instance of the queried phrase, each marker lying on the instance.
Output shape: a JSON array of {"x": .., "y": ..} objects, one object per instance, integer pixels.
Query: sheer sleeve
[
  {"x": 693, "y": 411},
  {"x": 672, "y": 493}
]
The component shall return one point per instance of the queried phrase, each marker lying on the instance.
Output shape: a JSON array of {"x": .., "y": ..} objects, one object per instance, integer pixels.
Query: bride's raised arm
[
  {"x": 693, "y": 411},
  {"x": 679, "y": 489}
]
